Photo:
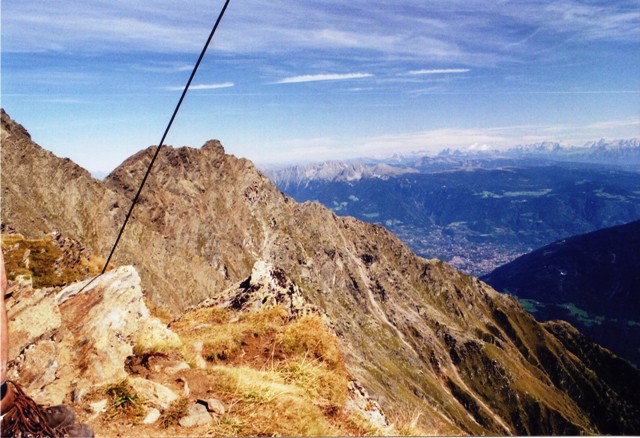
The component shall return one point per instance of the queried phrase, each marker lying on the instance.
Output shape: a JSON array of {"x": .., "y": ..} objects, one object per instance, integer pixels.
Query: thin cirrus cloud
[
  {"x": 434, "y": 140},
  {"x": 323, "y": 77},
  {"x": 437, "y": 71},
  {"x": 202, "y": 86}
]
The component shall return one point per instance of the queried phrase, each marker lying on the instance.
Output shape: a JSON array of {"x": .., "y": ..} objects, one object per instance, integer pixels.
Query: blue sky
[{"x": 293, "y": 80}]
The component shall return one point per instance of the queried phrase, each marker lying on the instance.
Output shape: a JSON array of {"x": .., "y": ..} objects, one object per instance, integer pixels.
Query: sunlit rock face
[{"x": 75, "y": 339}]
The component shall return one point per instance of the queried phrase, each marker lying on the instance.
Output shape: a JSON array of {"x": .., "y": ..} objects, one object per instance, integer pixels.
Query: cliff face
[{"x": 420, "y": 336}]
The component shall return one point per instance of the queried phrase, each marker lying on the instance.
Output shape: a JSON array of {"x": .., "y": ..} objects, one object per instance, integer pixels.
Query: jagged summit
[
  {"x": 419, "y": 335},
  {"x": 9, "y": 126},
  {"x": 214, "y": 146}
]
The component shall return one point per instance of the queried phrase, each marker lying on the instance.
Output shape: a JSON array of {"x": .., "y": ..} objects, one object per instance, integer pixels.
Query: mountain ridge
[
  {"x": 417, "y": 333},
  {"x": 590, "y": 280},
  {"x": 623, "y": 153}
]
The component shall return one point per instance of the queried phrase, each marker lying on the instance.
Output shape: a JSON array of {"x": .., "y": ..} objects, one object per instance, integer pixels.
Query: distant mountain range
[
  {"x": 480, "y": 209},
  {"x": 624, "y": 153},
  {"x": 591, "y": 280},
  {"x": 438, "y": 348},
  {"x": 620, "y": 153}
]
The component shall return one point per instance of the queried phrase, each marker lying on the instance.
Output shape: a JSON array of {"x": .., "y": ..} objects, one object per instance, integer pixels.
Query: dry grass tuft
[
  {"x": 155, "y": 339},
  {"x": 262, "y": 403},
  {"x": 174, "y": 413},
  {"x": 326, "y": 387},
  {"x": 163, "y": 315},
  {"x": 310, "y": 337},
  {"x": 124, "y": 401},
  {"x": 223, "y": 339},
  {"x": 357, "y": 425},
  {"x": 201, "y": 317}
]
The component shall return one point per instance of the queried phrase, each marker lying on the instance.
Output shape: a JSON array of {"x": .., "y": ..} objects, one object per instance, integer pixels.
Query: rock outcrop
[
  {"x": 94, "y": 344},
  {"x": 266, "y": 287},
  {"x": 65, "y": 343},
  {"x": 417, "y": 334}
]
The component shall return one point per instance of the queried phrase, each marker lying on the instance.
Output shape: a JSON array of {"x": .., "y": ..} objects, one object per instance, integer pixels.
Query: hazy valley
[{"x": 478, "y": 211}]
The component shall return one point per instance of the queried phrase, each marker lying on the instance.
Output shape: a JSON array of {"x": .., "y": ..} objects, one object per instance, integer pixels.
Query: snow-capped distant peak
[{"x": 479, "y": 147}]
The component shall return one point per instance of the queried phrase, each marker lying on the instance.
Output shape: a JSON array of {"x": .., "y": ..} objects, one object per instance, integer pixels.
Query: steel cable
[{"x": 164, "y": 136}]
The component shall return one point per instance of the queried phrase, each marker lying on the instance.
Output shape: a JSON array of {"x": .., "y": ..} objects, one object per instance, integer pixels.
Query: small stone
[
  {"x": 213, "y": 405},
  {"x": 24, "y": 280},
  {"x": 185, "y": 390},
  {"x": 196, "y": 416},
  {"x": 152, "y": 416},
  {"x": 154, "y": 392},
  {"x": 78, "y": 394},
  {"x": 99, "y": 407},
  {"x": 200, "y": 362}
]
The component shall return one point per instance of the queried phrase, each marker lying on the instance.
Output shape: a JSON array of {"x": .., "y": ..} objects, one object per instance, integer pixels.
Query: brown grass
[
  {"x": 37, "y": 259},
  {"x": 174, "y": 413},
  {"x": 310, "y": 337},
  {"x": 277, "y": 377},
  {"x": 224, "y": 339},
  {"x": 261, "y": 403},
  {"x": 125, "y": 403}
]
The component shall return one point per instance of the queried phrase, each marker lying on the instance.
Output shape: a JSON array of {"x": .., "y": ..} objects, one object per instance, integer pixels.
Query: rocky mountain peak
[
  {"x": 214, "y": 146},
  {"x": 417, "y": 334},
  {"x": 9, "y": 126}
]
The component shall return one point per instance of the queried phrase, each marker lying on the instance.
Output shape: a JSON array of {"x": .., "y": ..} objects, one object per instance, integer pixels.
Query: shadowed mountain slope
[
  {"x": 591, "y": 280},
  {"x": 420, "y": 336}
]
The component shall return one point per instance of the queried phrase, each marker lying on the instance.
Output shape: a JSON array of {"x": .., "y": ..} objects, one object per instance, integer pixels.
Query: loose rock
[
  {"x": 196, "y": 416},
  {"x": 155, "y": 393},
  {"x": 213, "y": 405},
  {"x": 152, "y": 416}
]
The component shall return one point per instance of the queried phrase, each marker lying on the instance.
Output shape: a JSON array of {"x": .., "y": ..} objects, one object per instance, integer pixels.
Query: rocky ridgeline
[
  {"x": 266, "y": 287},
  {"x": 83, "y": 343},
  {"x": 420, "y": 336}
]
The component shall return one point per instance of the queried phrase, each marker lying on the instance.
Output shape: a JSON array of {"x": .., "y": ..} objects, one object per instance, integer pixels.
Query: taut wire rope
[
  {"x": 161, "y": 144},
  {"x": 164, "y": 136}
]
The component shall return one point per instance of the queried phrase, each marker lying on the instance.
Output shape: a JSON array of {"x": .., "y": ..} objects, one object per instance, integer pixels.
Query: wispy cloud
[
  {"x": 481, "y": 32},
  {"x": 499, "y": 137},
  {"x": 323, "y": 77},
  {"x": 615, "y": 21},
  {"x": 202, "y": 86},
  {"x": 438, "y": 71},
  {"x": 165, "y": 67},
  {"x": 435, "y": 140},
  {"x": 613, "y": 124}
]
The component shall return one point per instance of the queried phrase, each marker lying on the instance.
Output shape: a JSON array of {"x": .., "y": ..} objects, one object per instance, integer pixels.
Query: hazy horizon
[{"x": 292, "y": 81}]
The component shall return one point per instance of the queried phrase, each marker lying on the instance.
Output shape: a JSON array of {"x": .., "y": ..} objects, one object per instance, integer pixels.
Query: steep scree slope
[{"x": 420, "y": 336}]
